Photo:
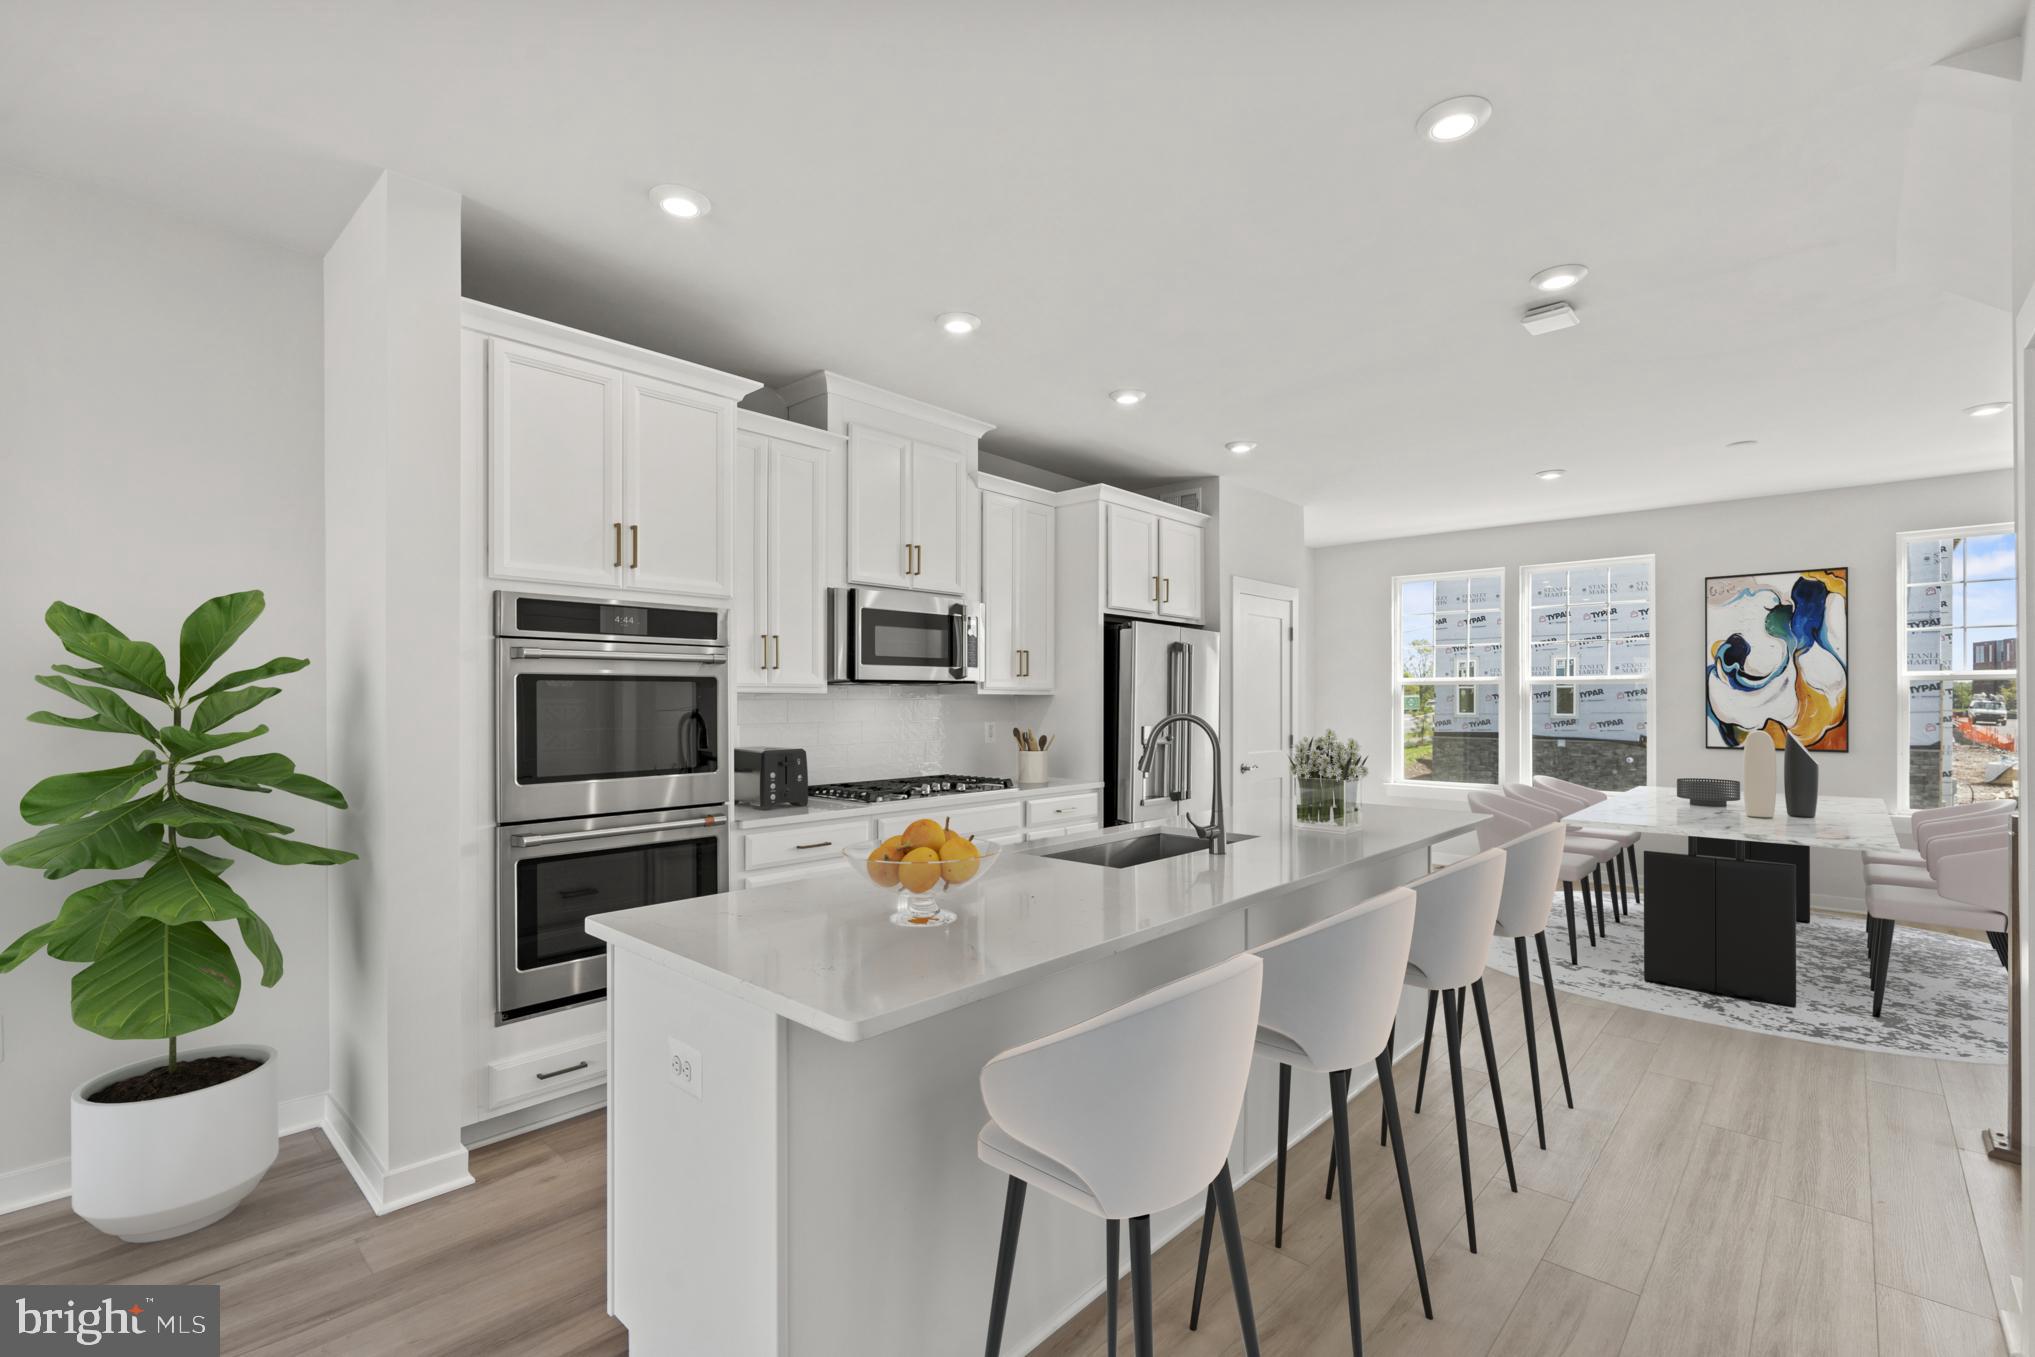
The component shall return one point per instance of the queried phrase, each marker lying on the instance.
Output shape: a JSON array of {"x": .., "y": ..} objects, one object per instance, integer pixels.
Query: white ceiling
[{"x": 1796, "y": 222}]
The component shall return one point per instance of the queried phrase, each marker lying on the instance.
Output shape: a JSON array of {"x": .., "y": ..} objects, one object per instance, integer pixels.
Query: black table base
[{"x": 1723, "y": 922}]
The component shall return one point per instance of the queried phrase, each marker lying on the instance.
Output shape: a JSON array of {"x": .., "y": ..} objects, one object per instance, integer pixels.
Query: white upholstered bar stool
[
  {"x": 1582, "y": 859},
  {"x": 1621, "y": 842},
  {"x": 1628, "y": 839},
  {"x": 1454, "y": 912},
  {"x": 1331, "y": 994},
  {"x": 1971, "y": 887},
  {"x": 1923, "y": 823},
  {"x": 1128, "y": 1113},
  {"x": 1533, "y": 863}
]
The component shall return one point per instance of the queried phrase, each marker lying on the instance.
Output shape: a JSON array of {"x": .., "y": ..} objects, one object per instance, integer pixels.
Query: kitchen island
[{"x": 793, "y": 1098}]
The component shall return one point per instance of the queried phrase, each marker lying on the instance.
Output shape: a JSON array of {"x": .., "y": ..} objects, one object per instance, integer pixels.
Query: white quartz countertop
[
  {"x": 823, "y": 952},
  {"x": 823, "y": 808},
  {"x": 1860, "y": 823}
]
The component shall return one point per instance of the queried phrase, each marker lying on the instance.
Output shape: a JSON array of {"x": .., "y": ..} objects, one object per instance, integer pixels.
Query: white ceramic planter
[{"x": 153, "y": 1170}]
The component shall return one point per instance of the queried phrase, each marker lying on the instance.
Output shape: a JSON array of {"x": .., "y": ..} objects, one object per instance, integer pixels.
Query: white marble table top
[
  {"x": 1860, "y": 823},
  {"x": 823, "y": 953}
]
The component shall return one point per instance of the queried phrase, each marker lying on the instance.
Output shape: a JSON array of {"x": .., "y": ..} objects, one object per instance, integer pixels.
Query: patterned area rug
[{"x": 1946, "y": 996}]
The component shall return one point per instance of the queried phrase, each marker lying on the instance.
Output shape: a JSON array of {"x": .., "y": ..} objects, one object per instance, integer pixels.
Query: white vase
[
  {"x": 1761, "y": 766},
  {"x": 152, "y": 1170}
]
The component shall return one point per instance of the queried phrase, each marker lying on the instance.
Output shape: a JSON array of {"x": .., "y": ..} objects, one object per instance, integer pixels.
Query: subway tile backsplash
[{"x": 889, "y": 730}]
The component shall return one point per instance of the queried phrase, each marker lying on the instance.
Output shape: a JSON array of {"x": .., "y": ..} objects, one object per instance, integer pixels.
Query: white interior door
[{"x": 1262, "y": 644}]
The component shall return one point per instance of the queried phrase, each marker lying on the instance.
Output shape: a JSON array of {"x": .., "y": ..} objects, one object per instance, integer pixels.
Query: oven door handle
[
  {"x": 610, "y": 832},
  {"x": 677, "y": 654}
]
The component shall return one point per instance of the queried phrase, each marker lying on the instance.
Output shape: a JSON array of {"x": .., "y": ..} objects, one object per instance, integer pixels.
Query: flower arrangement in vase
[{"x": 1328, "y": 773}]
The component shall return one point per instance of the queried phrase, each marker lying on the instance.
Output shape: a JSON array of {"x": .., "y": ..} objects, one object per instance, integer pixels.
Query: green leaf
[
  {"x": 111, "y": 709},
  {"x": 255, "y": 935},
  {"x": 288, "y": 852},
  {"x": 203, "y": 821},
  {"x": 211, "y": 862},
  {"x": 67, "y": 796},
  {"x": 90, "y": 919},
  {"x": 186, "y": 744},
  {"x": 280, "y": 665},
  {"x": 136, "y": 666},
  {"x": 108, "y": 840},
  {"x": 156, "y": 980},
  {"x": 260, "y": 772},
  {"x": 225, "y": 706},
  {"x": 211, "y": 630},
  {"x": 179, "y": 891},
  {"x": 27, "y": 945}
]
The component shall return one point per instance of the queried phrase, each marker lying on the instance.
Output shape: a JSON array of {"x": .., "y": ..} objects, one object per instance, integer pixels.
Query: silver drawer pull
[
  {"x": 610, "y": 831},
  {"x": 801, "y": 847},
  {"x": 553, "y": 1074}
]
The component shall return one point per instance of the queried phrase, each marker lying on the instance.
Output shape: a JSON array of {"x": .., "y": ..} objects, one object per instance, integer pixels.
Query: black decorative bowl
[{"x": 1706, "y": 791}]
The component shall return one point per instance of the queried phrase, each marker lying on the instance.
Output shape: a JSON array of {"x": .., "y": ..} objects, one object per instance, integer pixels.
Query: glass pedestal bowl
[{"x": 922, "y": 881}]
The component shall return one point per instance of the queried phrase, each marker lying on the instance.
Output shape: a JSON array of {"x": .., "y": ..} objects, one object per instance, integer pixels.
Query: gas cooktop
[{"x": 908, "y": 788}]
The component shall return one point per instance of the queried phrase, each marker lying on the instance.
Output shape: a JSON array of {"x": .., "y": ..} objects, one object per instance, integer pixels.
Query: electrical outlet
[
  {"x": 685, "y": 1067},
  {"x": 989, "y": 732}
]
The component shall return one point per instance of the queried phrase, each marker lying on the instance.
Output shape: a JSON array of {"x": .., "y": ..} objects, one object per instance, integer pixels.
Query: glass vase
[{"x": 1326, "y": 803}]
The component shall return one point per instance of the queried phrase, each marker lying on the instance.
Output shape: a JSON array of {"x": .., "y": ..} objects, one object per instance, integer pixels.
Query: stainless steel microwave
[{"x": 902, "y": 636}]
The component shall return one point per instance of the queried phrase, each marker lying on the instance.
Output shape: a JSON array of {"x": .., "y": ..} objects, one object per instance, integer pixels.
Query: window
[
  {"x": 1451, "y": 648},
  {"x": 1589, "y": 643},
  {"x": 1960, "y": 646}
]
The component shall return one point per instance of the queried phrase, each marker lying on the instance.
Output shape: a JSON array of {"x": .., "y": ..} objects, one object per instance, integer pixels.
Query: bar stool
[
  {"x": 1584, "y": 838},
  {"x": 1533, "y": 862},
  {"x": 1590, "y": 796},
  {"x": 1128, "y": 1113},
  {"x": 1970, "y": 889},
  {"x": 1454, "y": 913},
  {"x": 1581, "y": 861},
  {"x": 1331, "y": 994}
]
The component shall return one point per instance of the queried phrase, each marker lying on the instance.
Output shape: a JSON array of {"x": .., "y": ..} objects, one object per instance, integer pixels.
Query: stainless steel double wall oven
[{"x": 611, "y": 780}]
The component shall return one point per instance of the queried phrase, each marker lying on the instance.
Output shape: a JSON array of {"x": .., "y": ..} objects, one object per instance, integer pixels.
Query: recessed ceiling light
[
  {"x": 1126, "y": 396},
  {"x": 1240, "y": 448},
  {"x": 680, "y": 201},
  {"x": 1989, "y": 409},
  {"x": 1560, "y": 278},
  {"x": 1553, "y": 473},
  {"x": 960, "y": 323},
  {"x": 1454, "y": 119},
  {"x": 1743, "y": 443}
]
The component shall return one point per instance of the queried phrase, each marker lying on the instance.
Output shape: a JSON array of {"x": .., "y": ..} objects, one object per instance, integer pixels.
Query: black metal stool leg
[
  {"x": 1569, "y": 898},
  {"x": 1391, "y": 1101},
  {"x": 1452, "y": 1020},
  {"x": 1618, "y": 885},
  {"x": 1279, "y": 1200},
  {"x": 1532, "y": 1052},
  {"x": 1497, "y": 1088},
  {"x": 1426, "y": 1041},
  {"x": 1201, "y": 1268},
  {"x": 1554, "y": 1014},
  {"x": 1141, "y": 1285},
  {"x": 1109, "y": 1267},
  {"x": 1006, "y": 1259},
  {"x": 1233, "y": 1244},
  {"x": 1338, "y": 1095}
]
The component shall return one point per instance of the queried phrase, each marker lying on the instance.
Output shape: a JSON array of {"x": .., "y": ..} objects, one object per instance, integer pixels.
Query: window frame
[
  {"x": 1904, "y": 676},
  {"x": 1526, "y": 679},
  {"x": 1399, "y": 681}
]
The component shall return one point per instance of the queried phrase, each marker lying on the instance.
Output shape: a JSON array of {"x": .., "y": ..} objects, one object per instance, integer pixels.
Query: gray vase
[{"x": 1798, "y": 777}]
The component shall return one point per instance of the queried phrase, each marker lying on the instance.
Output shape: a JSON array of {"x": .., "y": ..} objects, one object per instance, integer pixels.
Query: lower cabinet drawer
[
  {"x": 798, "y": 844},
  {"x": 1062, "y": 810},
  {"x": 984, "y": 821},
  {"x": 558, "y": 1070},
  {"x": 1044, "y": 832},
  {"x": 811, "y": 871}
]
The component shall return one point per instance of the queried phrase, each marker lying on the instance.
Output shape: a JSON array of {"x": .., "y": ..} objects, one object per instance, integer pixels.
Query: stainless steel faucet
[{"x": 1214, "y": 831}]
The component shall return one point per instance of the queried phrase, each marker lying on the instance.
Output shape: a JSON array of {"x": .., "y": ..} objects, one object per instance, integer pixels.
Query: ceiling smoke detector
[{"x": 1554, "y": 316}]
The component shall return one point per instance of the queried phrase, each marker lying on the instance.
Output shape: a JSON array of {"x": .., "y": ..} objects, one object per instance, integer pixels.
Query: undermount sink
[{"x": 1138, "y": 849}]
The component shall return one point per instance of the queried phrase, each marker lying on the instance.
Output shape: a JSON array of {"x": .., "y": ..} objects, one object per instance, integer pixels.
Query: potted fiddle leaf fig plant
[{"x": 166, "y": 1145}]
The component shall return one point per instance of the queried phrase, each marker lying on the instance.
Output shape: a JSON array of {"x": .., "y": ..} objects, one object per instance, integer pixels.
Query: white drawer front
[
  {"x": 809, "y": 872},
  {"x": 763, "y": 848},
  {"x": 1059, "y": 810},
  {"x": 1045, "y": 832},
  {"x": 985, "y": 821},
  {"x": 559, "y": 1070}
]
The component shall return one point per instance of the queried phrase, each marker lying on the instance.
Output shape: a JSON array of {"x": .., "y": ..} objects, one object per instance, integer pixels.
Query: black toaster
[{"x": 770, "y": 778}]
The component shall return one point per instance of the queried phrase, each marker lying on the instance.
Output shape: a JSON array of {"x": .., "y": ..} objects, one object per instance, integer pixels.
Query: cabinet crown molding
[
  {"x": 1130, "y": 499},
  {"x": 484, "y": 318},
  {"x": 825, "y": 383},
  {"x": 770, "y": 426},
  {"x": 999, "y": 485}
]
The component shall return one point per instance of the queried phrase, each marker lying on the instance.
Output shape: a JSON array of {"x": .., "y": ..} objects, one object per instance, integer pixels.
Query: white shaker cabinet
[
  {"x": 1180, "y": 570},
  {"x": 907, "y": 499},
  {"x": 1152, "y": 554},
  {"x": 1131, "y": 556},
  {"x": 608, "y": 466},
  {"x": 778, "y": 639},
  {"x": 1017, "y": 587}
]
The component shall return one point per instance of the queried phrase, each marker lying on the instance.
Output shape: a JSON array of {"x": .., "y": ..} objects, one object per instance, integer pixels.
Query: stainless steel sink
[{"x": 1137, "y": 849}]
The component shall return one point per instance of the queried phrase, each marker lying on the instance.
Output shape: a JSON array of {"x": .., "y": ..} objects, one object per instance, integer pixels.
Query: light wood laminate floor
[{"x": 1712, "y": 1192}]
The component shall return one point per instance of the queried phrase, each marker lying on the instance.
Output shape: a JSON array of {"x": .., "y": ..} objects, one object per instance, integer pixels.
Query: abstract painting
[{"x": 1777, "y": 659}]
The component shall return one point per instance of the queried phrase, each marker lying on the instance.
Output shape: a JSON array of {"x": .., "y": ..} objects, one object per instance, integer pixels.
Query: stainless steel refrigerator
[{"x": 1151, "y": 670}]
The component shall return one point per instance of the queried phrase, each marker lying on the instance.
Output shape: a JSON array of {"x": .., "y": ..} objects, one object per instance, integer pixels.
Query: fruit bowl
[{"x": 922, "y": 868}]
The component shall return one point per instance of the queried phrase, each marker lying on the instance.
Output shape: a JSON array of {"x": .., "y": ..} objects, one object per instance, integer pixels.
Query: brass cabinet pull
[
  {"x": 1168, "y": 581},
  {"x": 1155, "y": 588},
  {"x": 635, "y": 544},
  {"x": 907, "y": 558},
  {"x": 618, "y": 545},
  {"x": 918, "y": 559},
  {"x": 776, "y": 651},
  {"x": 764, "y": 663}
]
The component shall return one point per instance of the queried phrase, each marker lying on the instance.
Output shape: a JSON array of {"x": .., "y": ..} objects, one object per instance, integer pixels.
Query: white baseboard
[
  {"x": 389, "y": 1190},
  {"x": 535, "y": 1117}
]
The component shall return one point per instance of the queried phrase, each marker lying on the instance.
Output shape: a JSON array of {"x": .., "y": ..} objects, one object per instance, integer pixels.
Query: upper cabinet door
[
  {"x": 555, "y": 489},
  {"x": 1002, "y": 668},
  {"x": 683, "y": 494},
  {"x": 1037, "y": 576},
  {"x": 879, "y": 474},
  {"x": 798, "y": 566},
  {"x": 1179, "y": 570},
  {"x": 939, "y": 514},
  {"x": 1131, "y": 564},
  {"x": 749, "y": 625}
]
